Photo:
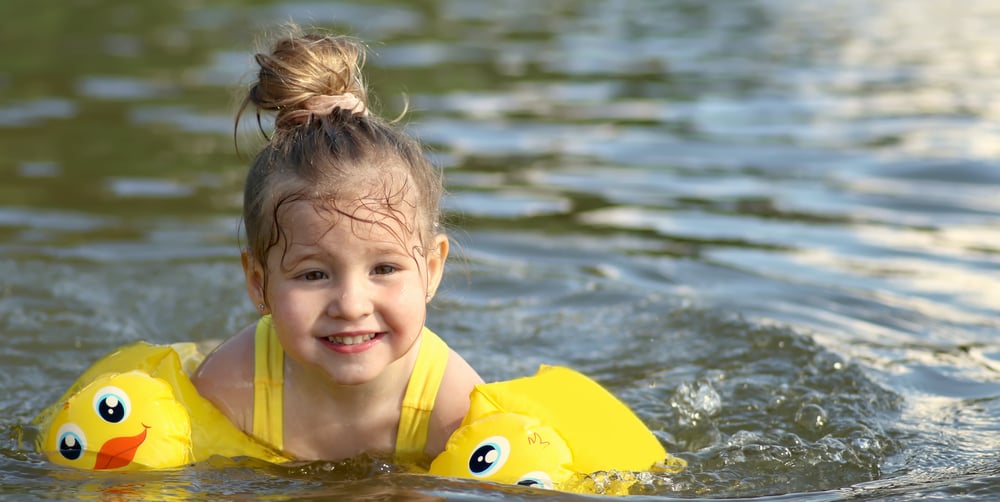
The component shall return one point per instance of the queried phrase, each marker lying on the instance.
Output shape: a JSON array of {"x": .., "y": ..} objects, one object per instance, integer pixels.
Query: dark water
[{"x": 769, "y": 226}]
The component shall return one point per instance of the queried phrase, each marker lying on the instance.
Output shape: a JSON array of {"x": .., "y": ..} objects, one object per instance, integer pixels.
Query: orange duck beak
[{"x": 119, "y": 452}]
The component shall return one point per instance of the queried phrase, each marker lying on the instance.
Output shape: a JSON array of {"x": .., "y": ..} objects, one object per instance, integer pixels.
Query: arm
[
  {"x": 452, "y": 402},
  {"x": 225, "y": 378}
]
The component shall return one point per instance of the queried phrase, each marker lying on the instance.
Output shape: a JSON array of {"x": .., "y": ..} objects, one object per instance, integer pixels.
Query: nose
[{"x": 351, "y": 300}]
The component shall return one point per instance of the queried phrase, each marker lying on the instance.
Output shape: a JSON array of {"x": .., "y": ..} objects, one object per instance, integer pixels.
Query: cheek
[
  {"x": 396, "y": 294},
  {"x": 291, "y": 302},
  {"x": 404, "y": 302},
  {"x": 411, "y": 290}
]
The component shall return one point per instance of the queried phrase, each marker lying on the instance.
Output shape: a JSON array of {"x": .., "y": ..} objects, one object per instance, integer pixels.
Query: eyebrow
[
  {"x": 290, "y": 258},
  {"x": 299, "y": 252},
  {"x": 389, "y": 249}
]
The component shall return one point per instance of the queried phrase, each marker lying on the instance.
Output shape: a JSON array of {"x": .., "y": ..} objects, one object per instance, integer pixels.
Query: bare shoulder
[
  {"x": 225, "y": 377},
  {"x": 452, "y": 402}
]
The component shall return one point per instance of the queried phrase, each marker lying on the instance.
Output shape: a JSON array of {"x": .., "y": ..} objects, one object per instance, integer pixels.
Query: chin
[{"x": 339, "y": 376}]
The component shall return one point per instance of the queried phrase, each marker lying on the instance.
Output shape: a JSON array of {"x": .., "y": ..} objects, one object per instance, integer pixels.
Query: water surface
[{"x": 769, "y": 226}]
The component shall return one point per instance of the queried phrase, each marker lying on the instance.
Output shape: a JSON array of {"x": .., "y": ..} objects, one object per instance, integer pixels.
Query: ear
[
  {"x": 253, "y": 272},
  {"x": 437, "y": 254}
]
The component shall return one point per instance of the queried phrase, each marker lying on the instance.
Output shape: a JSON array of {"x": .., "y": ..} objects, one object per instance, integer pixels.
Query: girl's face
[{"x": 349, "y": 297}]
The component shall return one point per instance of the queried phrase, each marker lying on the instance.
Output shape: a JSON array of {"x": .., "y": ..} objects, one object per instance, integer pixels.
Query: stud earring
[{"x": 260, "y": 307}]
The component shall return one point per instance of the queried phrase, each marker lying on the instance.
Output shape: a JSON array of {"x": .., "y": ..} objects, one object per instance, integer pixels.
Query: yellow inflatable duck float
[
  {"x": 550, "y": 430},
  {"x": 136, "y": 409}
]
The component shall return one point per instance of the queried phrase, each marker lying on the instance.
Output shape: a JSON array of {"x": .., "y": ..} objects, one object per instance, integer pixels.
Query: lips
[
  {"x": 119, "y": 452},
  {"x": 352, "y": 342},
  {"x": 350, "y": 339}
]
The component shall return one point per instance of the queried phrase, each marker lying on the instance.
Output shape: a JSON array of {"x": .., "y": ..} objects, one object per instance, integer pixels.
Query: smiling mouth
[{"x": 351, "y": 340}]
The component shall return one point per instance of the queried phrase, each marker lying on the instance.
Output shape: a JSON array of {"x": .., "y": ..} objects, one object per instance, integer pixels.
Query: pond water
[{"x": 770, "y": 227}]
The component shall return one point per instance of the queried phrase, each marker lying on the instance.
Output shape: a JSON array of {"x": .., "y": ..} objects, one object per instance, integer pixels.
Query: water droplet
[{"x": 811, "y": 417}]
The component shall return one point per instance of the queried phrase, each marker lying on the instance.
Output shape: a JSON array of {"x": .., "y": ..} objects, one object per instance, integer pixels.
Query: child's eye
[
  {"x": 313, "y": 275},
  {"x": 383, "y": 269}
]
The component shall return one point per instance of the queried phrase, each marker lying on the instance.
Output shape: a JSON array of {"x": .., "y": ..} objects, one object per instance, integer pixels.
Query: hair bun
[{"x": 310, "y": 75}]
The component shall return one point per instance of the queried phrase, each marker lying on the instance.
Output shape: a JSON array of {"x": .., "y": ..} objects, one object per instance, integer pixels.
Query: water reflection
[
  {"x": 33, "y": 112},
  {"x": 625, "y": 179}
]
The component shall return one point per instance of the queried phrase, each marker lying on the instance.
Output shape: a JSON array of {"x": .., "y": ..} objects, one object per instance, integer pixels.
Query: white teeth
[{"x": 350, "y": 340}]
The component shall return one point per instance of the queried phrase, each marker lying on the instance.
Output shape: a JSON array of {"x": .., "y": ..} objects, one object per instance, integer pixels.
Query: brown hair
[{"x": 330, "y": 157}]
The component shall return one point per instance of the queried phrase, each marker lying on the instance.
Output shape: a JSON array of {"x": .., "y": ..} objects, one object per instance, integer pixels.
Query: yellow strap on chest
[
  {"x": 421, "y": 392},
  {"x": 268, "y": 385}
]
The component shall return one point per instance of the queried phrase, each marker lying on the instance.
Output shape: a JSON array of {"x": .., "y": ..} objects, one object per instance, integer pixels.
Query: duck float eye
[
  {"x": 536, "y": 479},
  {"x": 112, "y": 404},
  {"x": 489, "y": 455},
  {"x": 72, "y": 441}
]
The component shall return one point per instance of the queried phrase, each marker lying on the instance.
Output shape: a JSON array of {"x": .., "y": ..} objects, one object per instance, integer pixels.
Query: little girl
[{"x": 344, "y": 251}]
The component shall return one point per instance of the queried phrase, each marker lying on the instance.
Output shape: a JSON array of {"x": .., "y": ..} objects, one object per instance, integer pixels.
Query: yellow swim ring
[{"x": 136, "y": 408}]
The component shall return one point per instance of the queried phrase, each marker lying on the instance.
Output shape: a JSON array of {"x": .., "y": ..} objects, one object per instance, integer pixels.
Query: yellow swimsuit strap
[
  {"x": 421, "y": 392},
  {"x": 268, "y": 385}
]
